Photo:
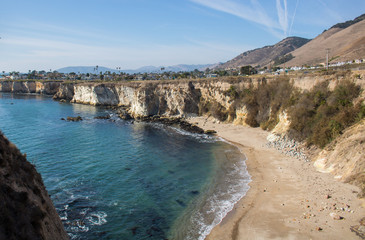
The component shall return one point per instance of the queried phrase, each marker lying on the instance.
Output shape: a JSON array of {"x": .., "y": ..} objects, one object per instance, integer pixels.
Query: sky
[{"x": 48, "y": 35}]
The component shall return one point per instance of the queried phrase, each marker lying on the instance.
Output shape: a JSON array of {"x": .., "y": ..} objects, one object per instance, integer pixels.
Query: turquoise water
[{"x": 116, "y": 179}]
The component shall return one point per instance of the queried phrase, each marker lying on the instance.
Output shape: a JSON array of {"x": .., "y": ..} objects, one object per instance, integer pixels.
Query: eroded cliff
[
  {"x": 345, "y": 157},
  {"x": 26, "y": 209},
  {"x": 315, "y": 108},
  {"x": 46, "y": 88}
]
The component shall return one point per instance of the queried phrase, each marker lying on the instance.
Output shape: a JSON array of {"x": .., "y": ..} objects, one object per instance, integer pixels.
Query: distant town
[{"x": 169, "y": 75}]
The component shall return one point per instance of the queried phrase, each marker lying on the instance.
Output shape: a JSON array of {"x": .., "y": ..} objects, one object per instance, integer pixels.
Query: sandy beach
[{"x": 288, "y": 198}]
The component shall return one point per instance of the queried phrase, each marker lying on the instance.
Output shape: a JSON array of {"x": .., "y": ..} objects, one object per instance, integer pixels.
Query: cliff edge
[
  {"x": 345, "y": 156},
  {"x": 26, "y": 210}
]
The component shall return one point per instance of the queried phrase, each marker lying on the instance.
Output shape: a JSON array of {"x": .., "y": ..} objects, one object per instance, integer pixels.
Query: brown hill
[
  {"x": 345, "y": 41},
  {"x": 265, "y": 56}
]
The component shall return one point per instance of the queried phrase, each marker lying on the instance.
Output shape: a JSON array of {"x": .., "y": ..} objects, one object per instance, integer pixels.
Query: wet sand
[{"x": 288, "y": 198}]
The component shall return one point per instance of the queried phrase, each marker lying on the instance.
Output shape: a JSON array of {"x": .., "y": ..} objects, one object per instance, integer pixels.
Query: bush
[
  {"x": 214, "y": 108},
  {"x": 218, "y": 111},
  {"x": 320, "y": 115},
  {"x": 265, "y": 102},
  {"x": 232, "y": 92}
]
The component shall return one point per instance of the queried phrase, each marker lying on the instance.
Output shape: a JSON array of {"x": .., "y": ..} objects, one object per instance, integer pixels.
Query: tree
[
  {"x": 247, "y": 70},
  {"x": 73, "y": 75}
]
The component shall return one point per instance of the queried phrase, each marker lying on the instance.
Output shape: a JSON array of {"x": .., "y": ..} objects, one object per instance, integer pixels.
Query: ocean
[{"x": 117, "y": 179}]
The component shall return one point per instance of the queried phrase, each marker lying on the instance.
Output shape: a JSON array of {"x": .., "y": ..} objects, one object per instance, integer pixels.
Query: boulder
[
  {"x": 74, "y": 119},
  {"x": 335, "y": 216},
  {"x": 210, "y": 132},
  {"x": 102, "y": 117}
]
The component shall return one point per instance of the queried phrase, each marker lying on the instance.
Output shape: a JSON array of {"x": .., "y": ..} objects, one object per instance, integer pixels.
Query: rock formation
[
  {"x": 46, "y": 88},
  {"x": 26, "y": 209},
  {"x": 345, "y": 156},
  {"x": 181, "y": 98}
]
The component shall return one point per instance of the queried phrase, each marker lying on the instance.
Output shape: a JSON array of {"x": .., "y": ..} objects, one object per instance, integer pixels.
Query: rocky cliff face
[
  {"x": 46, "y": 88},
  {"x": 143, "y": 99},
  {"x": 26, "y": 210},
  {"x": 184, "y": 98},
  {"x": 345, "y": 157},
  {"x": 153, "y": 98}
]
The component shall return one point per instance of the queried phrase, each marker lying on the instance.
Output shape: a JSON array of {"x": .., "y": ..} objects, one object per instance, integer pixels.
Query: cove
[{"x": 114, "y": 179}]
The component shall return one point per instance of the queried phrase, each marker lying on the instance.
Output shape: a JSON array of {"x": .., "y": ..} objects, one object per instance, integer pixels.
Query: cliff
[
  {"x": 46, "y": 88},
  {"x": 344, "y": 157},
  {"x": 26, "y": 210},
  {"x": 314, "y": 108}
]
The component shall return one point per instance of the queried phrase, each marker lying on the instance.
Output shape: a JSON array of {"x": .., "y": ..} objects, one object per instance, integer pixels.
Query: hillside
[
  {"x": 264, "y": 56},
  {"x": 345, "y": 41},
  {"x": 349, "y": 23}
]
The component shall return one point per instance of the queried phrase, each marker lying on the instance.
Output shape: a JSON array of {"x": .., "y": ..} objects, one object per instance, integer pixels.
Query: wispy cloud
[
  {"x": 38, "y": 53},
  {"x": 253, "y": 12},
  {"x": 292, "y": 21},
  {"x": 282, "y": 15},
  {"x": 336, "y": 16}
]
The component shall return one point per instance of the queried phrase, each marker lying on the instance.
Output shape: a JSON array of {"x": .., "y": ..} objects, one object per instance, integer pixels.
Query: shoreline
[{"x": 288, "y": 198}]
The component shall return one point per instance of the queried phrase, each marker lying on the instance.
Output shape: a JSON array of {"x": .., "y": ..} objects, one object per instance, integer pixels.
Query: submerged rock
[{"x": 181, "y": 203}]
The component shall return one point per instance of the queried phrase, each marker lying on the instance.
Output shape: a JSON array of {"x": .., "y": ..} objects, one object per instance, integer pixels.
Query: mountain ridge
[
  {"x": 144, "y": 69},
  {"x": 342, "y": 44},
  {"x": 265, "y": 56},
  {"x": 345, "y": 41}
]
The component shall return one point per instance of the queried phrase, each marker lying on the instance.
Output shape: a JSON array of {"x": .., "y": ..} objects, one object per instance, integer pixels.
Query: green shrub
[
  {"x": 232, "y": 92},
  {"x": 213, "y": 108},
  {"x": 320, "y": 115},
  {"x": 265, "y": 102},
  {"x": 218, "y": 111},
  {"x": 203, "y": 107},
  {"x": 317, "y": 116}
]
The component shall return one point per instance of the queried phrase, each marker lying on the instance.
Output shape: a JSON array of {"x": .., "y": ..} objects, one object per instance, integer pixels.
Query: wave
[{"x": 228, "y": 185}]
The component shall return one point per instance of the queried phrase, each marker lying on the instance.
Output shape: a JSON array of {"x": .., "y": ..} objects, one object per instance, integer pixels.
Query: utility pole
[{"x": 327, "y": 53}]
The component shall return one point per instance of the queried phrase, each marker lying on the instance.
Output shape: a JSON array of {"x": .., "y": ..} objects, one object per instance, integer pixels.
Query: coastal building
[{"x": 212, "y": 75}]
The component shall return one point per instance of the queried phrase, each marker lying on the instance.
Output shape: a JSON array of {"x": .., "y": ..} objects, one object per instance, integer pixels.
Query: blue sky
[{"x": 44, "y": 34}]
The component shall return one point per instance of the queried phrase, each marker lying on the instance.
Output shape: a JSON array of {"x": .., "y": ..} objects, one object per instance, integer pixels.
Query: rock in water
[
  {"x": 26, "y": 210},
  {"x": 74, "y": 119},
  {"x": 102, "y": 117},
  {"x": 210, "y": 132}
]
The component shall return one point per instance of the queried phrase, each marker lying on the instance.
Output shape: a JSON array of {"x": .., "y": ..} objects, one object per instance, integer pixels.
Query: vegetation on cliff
[
  {"x": 314, "y": 107},
  {"x": 317, "y": 116}
]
